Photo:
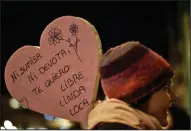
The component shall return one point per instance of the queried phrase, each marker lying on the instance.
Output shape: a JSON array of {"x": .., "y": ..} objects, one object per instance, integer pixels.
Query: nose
[{"x": 173, "y": 95}]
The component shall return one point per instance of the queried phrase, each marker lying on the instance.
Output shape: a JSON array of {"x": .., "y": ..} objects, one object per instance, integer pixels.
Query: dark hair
[
  {"x": 141, "y": 101},
  {"x": 147, "y": 97}
]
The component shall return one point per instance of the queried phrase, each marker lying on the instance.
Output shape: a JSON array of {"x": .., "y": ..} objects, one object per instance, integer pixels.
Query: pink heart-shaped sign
[{"x": 60, "y": 77}]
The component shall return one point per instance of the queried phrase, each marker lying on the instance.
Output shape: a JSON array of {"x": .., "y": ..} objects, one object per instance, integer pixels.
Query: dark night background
[
  {"x": 147, "y": 22},
  {"x": 116, "y": 22}
]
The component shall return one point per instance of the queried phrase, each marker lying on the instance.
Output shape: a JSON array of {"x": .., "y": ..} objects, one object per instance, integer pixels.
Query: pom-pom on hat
[{"x": 132, "y": 71}]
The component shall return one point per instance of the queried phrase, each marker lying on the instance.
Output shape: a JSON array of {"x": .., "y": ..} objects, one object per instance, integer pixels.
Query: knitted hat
[{"x": 132, "y": 71}]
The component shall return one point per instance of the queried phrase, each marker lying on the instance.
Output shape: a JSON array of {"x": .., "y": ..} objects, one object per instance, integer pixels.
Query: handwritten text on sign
[
  {"x": 60, "y": 77},
  {"x": 68, "y": 82}
]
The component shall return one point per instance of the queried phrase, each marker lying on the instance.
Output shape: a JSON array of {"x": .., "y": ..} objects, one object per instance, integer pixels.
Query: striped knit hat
[{"x": 132, "y": 71}]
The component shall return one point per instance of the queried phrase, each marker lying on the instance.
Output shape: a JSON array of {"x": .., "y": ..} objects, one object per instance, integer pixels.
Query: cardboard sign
[{"x": 59, "y": 78}]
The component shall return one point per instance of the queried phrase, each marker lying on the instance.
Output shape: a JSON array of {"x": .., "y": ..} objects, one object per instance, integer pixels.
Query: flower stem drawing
[{"x": 55, "y": 36}]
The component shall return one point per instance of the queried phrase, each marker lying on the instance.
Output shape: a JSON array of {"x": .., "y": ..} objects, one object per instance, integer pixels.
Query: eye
[{"x": 167, "y": 89}]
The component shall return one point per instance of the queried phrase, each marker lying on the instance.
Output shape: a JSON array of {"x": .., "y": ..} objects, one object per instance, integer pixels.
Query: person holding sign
[{"x": 137, "y": 82}]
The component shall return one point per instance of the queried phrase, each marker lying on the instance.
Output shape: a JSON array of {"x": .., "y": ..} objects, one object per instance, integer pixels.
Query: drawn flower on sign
[
  {"x": 55, "y": 36},
  {"x": 74, "y": 44},
  {"x": 73, "y": 29}
]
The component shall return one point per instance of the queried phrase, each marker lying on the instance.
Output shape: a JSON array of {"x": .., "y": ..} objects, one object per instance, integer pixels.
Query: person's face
[{"x": 160, "y": 102}]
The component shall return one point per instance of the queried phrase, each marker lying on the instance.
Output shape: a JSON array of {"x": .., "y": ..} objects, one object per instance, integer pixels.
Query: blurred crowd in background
[{"x": 162, "y": 26}]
